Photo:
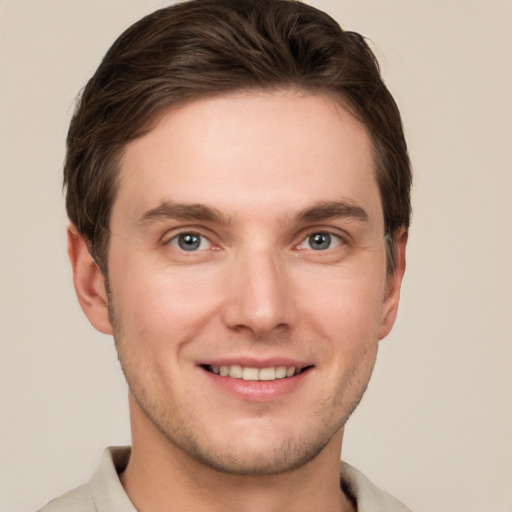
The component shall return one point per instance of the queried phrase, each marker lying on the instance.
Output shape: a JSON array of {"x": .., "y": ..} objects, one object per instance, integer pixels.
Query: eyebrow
[
  {"x": 333, "y": 209},
  {"x": 171, "y": 210},
  {"x": 318, "y": 212}
]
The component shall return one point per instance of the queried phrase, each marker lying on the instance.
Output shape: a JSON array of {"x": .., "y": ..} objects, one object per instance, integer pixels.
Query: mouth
[{"x": 248, "y": 373}]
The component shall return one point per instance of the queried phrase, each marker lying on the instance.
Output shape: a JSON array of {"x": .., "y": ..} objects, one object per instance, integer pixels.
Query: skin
[{"x": 267, "y": 170}]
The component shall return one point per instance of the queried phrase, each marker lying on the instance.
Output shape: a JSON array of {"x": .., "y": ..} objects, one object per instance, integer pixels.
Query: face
[{"x": 247, "y": 275}]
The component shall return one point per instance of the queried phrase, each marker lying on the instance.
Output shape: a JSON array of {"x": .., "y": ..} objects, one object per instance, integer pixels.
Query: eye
[
  {"x": 190, "y": 242},
  {"x": 321, "y": 241}
]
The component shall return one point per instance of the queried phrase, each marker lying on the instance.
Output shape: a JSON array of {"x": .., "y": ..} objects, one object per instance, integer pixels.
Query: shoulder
[
  {"x": 104, "y": 491},
  {"x": 369, "y": 497},
  {"x": 76, "y": 500}
]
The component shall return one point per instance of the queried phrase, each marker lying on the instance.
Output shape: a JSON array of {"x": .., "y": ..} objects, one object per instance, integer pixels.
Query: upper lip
[{"x": 251, "y": 362}]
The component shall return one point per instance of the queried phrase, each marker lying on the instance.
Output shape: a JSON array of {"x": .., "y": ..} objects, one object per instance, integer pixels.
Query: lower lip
[{"x": 259, "y": 390}]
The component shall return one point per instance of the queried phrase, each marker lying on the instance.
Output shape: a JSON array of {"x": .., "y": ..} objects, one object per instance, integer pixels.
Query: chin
[
  {"x": 250, "y": 447},
  {"x": 255, "y": 457}
]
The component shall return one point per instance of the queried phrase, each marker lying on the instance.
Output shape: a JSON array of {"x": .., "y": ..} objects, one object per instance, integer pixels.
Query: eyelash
[
  {"x": 326, "y": 235},
  {"x": 175, "y": 240},
  {"x": 193, "y": 237}
]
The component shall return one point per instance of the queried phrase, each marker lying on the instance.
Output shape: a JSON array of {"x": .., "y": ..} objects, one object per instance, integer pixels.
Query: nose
[{"x": 259, "y": 296}]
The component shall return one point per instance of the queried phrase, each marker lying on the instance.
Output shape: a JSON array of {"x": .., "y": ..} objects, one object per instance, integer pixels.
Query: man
[{"x": 238, "y": 189}]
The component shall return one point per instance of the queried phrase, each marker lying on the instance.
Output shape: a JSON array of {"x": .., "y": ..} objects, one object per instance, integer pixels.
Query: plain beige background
[{"x": 435, "y": 427}]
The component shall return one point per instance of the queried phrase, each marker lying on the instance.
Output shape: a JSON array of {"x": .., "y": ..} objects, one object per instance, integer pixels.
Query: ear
[
  {"x": 89, "y": 282},
  {"x": 394, "y": 283}
]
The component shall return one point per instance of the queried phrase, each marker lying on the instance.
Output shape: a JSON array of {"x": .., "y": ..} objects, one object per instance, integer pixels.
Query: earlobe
[
  {"x": 394, "y": 284},
  {"x": 89, "y": 282}
]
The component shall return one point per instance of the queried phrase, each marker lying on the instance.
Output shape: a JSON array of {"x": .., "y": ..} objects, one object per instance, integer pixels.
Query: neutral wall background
[{"x": 435, "y": 427}]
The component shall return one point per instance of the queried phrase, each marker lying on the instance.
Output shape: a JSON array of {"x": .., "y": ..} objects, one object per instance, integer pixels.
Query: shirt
[{"x": 105, "y": 493}]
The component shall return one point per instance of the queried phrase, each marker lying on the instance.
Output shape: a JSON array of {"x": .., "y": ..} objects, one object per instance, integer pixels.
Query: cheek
[
  {"x": 344, "y": 318},
  {"x": 155, "y": 302},
  {"x": 345, "y": 302}
]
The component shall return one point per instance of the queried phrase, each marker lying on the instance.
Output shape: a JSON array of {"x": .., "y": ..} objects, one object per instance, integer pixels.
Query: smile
[{"x": 236, "y": 371}]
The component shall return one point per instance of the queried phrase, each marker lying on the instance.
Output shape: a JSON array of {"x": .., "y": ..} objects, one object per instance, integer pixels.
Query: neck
[{"x": 161, "y": 477}]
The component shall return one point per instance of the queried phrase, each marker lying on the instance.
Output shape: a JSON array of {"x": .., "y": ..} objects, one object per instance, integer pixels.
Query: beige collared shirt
[{"x": 104, "y": 492}]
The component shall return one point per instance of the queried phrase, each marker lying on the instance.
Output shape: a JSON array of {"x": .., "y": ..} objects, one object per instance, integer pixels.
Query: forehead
[{"x": 257, "y": 151}]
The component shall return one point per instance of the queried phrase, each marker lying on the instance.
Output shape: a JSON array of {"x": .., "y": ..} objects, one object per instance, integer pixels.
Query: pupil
[
  {"x": 189, "y": 242},
  {"x": 320, "y": 241}
]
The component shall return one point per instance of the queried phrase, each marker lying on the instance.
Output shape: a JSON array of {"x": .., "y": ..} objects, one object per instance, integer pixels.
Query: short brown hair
[{"x": 205, "y": 47}]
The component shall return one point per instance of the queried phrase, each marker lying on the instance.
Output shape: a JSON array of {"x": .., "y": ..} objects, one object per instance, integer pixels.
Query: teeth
[
  {"x": 280, "y": 372},
  {"x": 267, "y": 374},
  {"x": 236, "y": 371},
  {"x": 250, "y": 374}
]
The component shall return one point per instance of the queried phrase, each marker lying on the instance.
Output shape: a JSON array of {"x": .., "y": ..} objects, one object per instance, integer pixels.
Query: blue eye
[
  {"x": 190, "y": 242},
  {"x": 321, "y": 241}
]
